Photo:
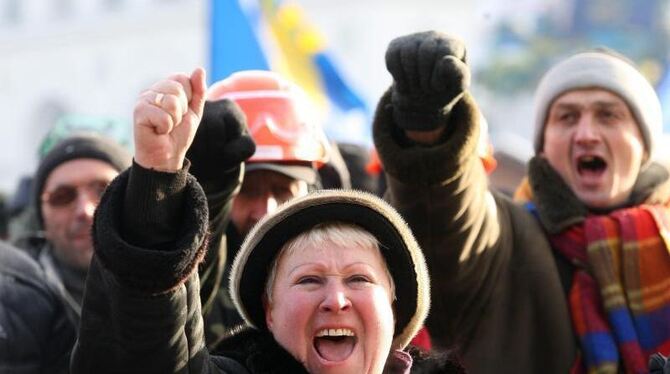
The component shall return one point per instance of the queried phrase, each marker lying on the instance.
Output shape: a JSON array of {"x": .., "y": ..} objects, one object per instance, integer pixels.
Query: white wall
[{"x": 92, "y": 63}]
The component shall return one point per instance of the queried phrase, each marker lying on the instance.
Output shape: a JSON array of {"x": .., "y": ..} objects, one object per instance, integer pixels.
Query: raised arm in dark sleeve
[
  {"x": 426, "y": 130},
  {"x": 490, "y": 264},
  {"x": 219, "y": 149},
  {"x": 141, "y": 310}
]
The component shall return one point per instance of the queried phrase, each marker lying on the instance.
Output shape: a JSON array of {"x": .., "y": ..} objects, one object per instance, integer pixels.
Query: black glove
[
  {"x": 430, "y": 75},
  {"x": 221, "y": 143}
]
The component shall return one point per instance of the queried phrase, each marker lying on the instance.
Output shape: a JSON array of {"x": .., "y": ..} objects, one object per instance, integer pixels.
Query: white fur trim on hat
[{"x": 401, "y": 251}]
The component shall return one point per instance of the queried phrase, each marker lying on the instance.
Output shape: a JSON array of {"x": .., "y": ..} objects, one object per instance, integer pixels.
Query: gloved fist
[
  {"x": 221, "y": 143},
  {"x": 429, "y": 74}
]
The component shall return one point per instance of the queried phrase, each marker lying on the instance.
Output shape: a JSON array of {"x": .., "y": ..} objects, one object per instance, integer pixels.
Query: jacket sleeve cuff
[
  {"x": 163, "y": 206},
  {"x": 427, "y": 165},
  {"x": 153, "y": 204}
]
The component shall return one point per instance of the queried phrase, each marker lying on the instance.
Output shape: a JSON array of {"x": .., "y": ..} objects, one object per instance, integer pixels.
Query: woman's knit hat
[
  {"x": 600, "y": 69},
  {"x": 397, "y": 244}
]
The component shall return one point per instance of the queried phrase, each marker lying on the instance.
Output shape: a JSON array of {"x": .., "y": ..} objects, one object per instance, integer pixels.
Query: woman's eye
[
  {"x": 308, "y": 280},
  {"x": 360, "y": 278}
]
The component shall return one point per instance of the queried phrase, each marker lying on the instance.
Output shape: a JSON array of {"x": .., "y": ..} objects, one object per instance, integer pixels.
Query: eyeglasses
[{"x": 66, "y": 194}]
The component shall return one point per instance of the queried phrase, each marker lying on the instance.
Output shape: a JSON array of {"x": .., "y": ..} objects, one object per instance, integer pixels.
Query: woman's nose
[{"x": 335, "y": 299}]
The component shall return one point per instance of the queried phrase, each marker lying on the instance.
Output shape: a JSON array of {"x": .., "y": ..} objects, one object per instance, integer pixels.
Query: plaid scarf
[{"x": 620, "y": 295}]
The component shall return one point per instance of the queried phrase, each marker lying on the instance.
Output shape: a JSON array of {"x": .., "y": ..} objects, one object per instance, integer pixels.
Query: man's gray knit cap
[{"x": 607, "y": 71}]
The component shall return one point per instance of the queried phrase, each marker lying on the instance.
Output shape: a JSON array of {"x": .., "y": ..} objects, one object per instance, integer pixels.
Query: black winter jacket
[
  {"x": 35, "y": 333},
  {"x": 142, "y": 305},
  {"x": 68, "y": 282}
]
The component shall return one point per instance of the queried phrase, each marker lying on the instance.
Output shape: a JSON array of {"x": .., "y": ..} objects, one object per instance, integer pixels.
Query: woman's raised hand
[{"x": 166, "y": 118}]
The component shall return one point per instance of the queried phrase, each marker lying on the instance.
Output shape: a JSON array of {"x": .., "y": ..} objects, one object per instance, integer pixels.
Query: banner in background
[{"x": 275, "y": 35}]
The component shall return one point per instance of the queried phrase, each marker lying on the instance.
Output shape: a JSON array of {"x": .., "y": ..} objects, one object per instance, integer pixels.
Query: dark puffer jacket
[
  {"x": 142, "y": 308},
  {"x": 68, "y": 282},
  {"x": 35, "y": 333}
]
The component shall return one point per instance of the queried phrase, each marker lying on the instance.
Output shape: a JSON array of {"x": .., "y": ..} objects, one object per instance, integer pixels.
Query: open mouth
[
  {"x": 591, "y": 165},
  {"x": 335, "y": 344}
]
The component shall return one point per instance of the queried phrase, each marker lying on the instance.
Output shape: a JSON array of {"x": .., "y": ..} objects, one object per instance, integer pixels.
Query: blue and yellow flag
[{"x": 275, "y": 35}]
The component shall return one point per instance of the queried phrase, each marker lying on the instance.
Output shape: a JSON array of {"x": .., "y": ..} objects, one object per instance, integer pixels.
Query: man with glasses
[{"x": 68, "y": 185}]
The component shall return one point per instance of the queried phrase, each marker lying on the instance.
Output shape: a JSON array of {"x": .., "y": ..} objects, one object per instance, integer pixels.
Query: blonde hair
[{"x": 338, "y": 233}]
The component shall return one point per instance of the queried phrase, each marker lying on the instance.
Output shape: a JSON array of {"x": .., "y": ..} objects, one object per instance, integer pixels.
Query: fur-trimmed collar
[
  {"x": 372, "y": 214},
  {"x": 558, "y": 207},
  {"x": 259, "y": 353}
]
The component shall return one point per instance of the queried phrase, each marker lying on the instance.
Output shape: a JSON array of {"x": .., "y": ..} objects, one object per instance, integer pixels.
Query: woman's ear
[{"x": 269, "y": 322}]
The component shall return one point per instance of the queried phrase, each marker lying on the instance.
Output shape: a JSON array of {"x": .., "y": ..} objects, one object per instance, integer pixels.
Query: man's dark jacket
[
  {"x": 496, "y": 288},
  {"x": 35, "y": 333}
]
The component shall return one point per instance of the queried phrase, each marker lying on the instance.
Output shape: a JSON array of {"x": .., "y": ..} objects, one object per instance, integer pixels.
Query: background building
[{"x": 93, "y": 57}]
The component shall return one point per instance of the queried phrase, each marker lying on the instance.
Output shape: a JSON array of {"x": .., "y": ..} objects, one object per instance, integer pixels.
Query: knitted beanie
[
  {"x": 606, "y": 71},
  {"x": 76, "y": 147},
  {"x": 402, "y": 253}
]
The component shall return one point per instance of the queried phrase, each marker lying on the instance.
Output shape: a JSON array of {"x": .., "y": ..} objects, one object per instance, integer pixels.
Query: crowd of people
[{"x": 231, "y": 240}]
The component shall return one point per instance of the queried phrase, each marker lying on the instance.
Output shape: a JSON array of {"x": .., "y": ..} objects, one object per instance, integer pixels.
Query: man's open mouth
[
  {"x": 591, "y": 165},
  {"x": 335, "y": 344}
]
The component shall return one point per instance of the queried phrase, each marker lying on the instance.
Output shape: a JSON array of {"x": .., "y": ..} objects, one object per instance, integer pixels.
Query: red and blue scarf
[{"x": 620, "y": 294}]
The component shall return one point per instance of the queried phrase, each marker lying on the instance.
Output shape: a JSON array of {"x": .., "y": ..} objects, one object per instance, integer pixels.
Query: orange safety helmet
[{"x": 277, "y": 116}]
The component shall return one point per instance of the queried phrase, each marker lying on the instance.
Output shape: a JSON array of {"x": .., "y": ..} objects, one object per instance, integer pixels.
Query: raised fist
[
  {"x": 166, "y": 118},
  {"x": 221, "y": 143},
  {"x": 429, "y": 76}
]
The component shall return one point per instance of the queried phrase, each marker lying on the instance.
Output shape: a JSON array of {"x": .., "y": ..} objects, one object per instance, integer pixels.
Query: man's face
[
  {"x": 593, "y": 141},
  {"x": 261, "y": 193},
  {"x": 69, "y": 198}
]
